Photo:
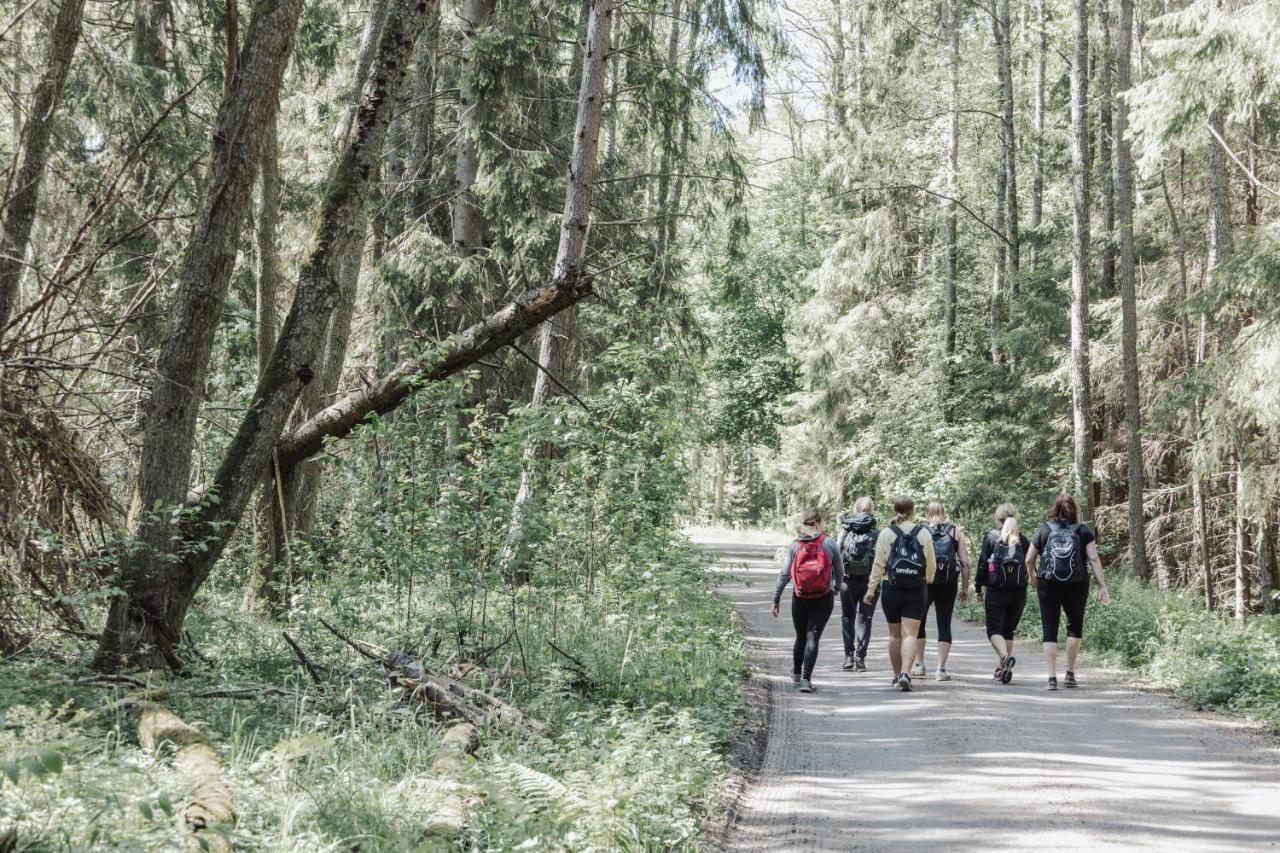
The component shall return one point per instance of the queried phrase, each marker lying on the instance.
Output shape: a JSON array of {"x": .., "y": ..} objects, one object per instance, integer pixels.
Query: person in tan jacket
[{"x": 905, "y": 562}]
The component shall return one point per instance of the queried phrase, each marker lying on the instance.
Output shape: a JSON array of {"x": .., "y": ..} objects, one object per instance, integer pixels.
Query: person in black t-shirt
[{"x": 1067, "y": 551}]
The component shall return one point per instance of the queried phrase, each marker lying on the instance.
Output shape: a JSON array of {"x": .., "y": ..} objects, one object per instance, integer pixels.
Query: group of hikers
[{"x": 910, "y": 567}]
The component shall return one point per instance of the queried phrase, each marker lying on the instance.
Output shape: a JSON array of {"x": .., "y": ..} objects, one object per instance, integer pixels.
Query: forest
[{"x": 362, "y": 366}]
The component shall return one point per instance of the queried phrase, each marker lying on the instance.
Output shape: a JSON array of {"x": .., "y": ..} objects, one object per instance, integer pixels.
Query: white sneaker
[
  {"x": 918, "y": 671},
  {"x": 942, "y": 675}
]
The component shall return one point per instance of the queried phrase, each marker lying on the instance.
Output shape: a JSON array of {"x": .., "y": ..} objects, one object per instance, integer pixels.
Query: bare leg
[
  {"x": 895, "y": 646},
  {"x": 909, "y": 642},
  {"x": 944, "y": 650},
  {"x": 1073, "y": 649},
  {"x": 998, "y": 643},
  {"x": 920, "y": 647},
  {"x": 1051, "y": 658}
]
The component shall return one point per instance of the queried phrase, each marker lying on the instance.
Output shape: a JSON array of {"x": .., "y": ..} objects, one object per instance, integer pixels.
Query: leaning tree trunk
[
  {"x": 468, "y": 216},
  {"x": 573, "y": 240},
  {"x": 1080, "y": 391},
  {"x": 31, "y": 158},
  {"x": 1128, "y": 297},
  {"x": 161, "y": 582}
]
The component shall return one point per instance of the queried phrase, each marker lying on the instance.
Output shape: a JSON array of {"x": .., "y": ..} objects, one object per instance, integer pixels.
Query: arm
[
  {"x": 962, "y": 551},
  {"x": 784, "y": 577},
  {"x": 930, "y": 558},
  {"x": 883, "y": 543},
  {"x": 980, "y": 573},
  {"x": 837, "y": 565},
  {"x": 1095, "y": 563}
]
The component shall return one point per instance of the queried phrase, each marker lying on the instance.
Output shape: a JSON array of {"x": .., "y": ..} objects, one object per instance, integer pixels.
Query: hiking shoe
[
  {"x": 1006, "y": 669},
  {"x": 904, "y": 682},
  {"x": 918, "y": 670},
  {"x": 848, "y": 662},
  {"x": 795, "y": 678},
  {"x": 1070, "y": 680},
  {"x": 1053, "y": 683},
  {"x": 942, "y": 675},
  {"x": 806, "y": 686},
  {"x": 859, "y": 665}
]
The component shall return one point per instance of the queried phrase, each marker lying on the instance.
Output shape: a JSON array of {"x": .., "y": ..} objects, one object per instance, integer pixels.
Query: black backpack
[
  {"x": 1063, "y": 560},
  {"x": 906, "y": 566},
  {"x": 944, "y": 550},
  {"x": 858, "y": 544},
  {"x": 1007, "y": 565}
]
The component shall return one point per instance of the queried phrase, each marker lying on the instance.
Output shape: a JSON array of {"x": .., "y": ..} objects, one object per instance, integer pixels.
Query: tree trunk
[
  {"x": 266, "y": 544},
  {"x": 722, "y": 472},
  {"x": 1001, "y": 29},
  {"x": 421, "y": 161},
  {"x": 1106, "y": 173},
  {"x": 1037, "y": 151},
  {"x": 1267, "y": 563},
  {"x": 666, "y": 145},
  {"x": 998, "y": 265},
  {"x": 686, "y": 130},
  {"x": 571, "y": 250},
  {"x": 1080, "y": 390},
  {"x": 31, "y": 158},
  {"x": 1128, "y": 298},
  {"x": 160, "y": 582},
  {"x": 952, "y": 14},
  {"x": 468, "y": 215}
]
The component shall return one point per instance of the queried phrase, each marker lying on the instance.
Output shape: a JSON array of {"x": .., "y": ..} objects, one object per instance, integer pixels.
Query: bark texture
[{"x": 468, "y": 215}]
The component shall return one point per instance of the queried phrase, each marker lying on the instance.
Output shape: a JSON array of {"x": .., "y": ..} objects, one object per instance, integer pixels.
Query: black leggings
[
  {"x": 943, "y": 597},
  {"x": 1004, "y": 610},
  {"x": 1057, "y": 598},
  {"x": 809, "y": 616},
  {"x": 856, "y": 615}
]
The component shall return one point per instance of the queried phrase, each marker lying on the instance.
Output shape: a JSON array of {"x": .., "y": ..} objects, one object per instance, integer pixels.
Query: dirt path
[{"x": 969, "y": 765}]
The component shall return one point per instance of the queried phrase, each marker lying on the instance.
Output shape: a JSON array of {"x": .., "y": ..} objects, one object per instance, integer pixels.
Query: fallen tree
[{"x": 210, "y": 810}]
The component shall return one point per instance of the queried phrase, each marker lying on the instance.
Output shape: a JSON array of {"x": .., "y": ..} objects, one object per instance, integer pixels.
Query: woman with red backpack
[
  {"x": 905, "y": 562},
  {"x": 1067, "y": 550},
  {"x": 815, "y": 571},
  {"x": 1003, "y": 575}
]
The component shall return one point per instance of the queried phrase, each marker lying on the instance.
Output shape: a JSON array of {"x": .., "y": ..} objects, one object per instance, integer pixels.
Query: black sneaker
[
  {"x": 904, "y": 682},
  {"x": 1053, "y": 683},
  {"x": 859, "y": 665},
  {"x": 1070, "y": 680},
  {"x": 848, "y": 662},
  {"x": 1006, "y": 669},
  {"x": 795, "y": 678}
]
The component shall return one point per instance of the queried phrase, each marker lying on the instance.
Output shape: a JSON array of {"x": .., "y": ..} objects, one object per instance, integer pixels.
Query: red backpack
[{"x": 811, "y": 569}]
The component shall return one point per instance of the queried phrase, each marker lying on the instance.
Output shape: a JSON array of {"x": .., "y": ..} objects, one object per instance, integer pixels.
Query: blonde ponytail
[{"x": 1010, "y": 532}]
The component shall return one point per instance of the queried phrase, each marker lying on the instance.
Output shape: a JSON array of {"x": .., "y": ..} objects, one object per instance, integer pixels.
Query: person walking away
[
  {"x": 1002, "y": 573},
  {"x": 857, "y": 550},
  {"x": 814, "y": 570},
  {"x": 905, "y": 563},
  {"x": 1066, "y": 550},
  {"x": 951, "y": 581}
]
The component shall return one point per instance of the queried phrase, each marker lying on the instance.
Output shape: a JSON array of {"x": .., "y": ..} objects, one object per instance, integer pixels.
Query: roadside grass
[
  {"x": 635, "y": 760},
  {"x": 1209, "y": 660}
]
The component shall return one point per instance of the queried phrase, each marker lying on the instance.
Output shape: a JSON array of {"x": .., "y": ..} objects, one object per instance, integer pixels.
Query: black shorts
[
  {"x": 1004, "y": 606},
  {"x": 899, "y": 604},
  {"x": 1057, "y": 598}
]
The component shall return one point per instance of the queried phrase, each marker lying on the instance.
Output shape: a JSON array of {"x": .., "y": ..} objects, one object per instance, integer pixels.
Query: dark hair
[
  {"x": 904, "y": 506},
  {"x": 810, "y": 517},
  {"x": 1064, "y": 510}
]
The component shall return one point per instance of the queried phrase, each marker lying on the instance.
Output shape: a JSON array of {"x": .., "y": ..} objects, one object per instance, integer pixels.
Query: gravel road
[{"x": 971, "y": 765}]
